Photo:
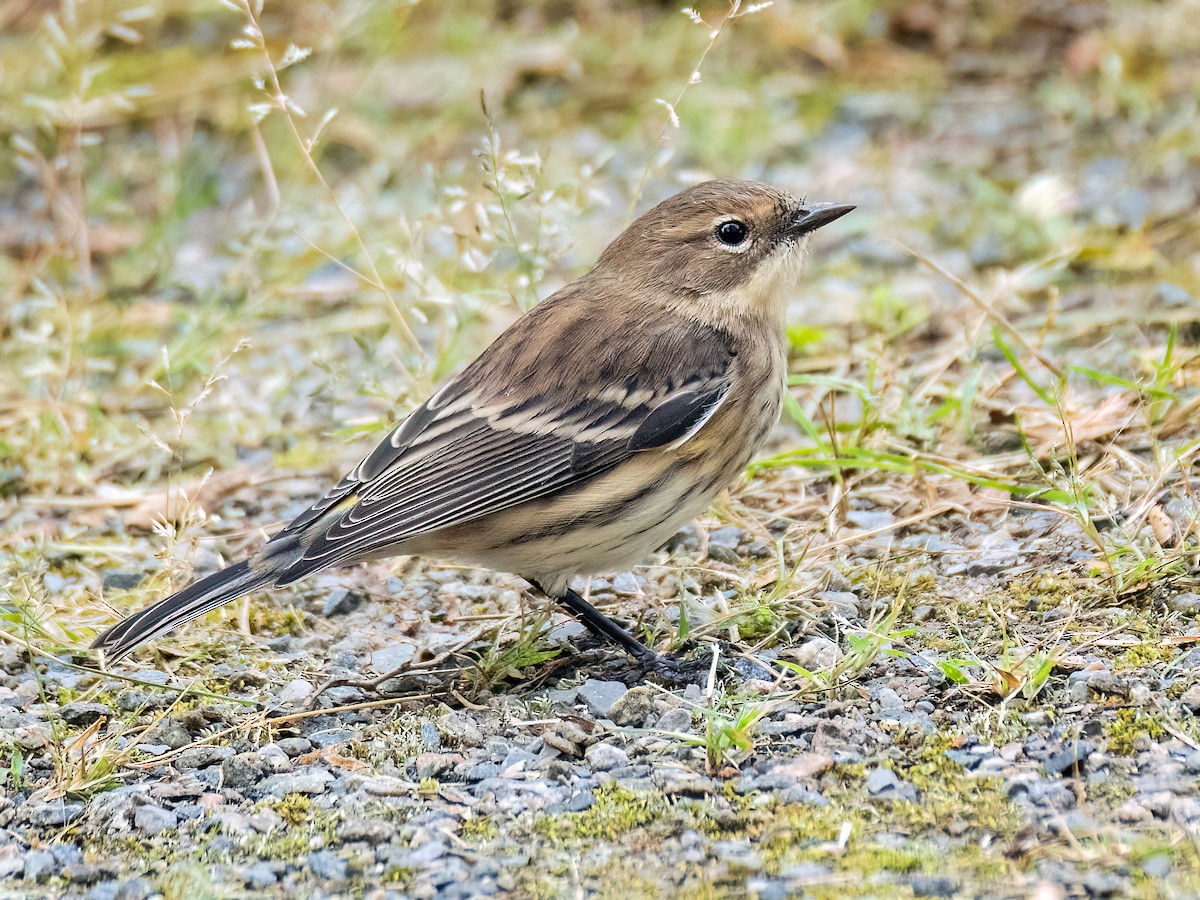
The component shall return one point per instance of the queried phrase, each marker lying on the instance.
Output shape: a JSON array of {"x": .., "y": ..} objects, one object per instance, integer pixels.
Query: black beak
[{"x": 812, "y": 216}]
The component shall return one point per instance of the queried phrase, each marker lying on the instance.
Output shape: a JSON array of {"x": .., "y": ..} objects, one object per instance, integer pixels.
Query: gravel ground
[
  {"x": 955, "y": 609},
  {"x": 578, "y": 777}
]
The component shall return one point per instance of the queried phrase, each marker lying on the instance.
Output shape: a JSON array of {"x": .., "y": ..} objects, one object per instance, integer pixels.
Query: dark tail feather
[{"x": 192, "y": 602}]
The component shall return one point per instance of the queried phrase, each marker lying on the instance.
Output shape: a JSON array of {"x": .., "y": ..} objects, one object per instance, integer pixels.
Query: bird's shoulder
[{"x": 595, "y": 337}]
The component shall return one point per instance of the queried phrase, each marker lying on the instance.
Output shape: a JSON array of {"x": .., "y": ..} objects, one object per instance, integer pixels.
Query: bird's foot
[
  {"x": 723, "y": 663},
  {"x": 674, "y": 672}
]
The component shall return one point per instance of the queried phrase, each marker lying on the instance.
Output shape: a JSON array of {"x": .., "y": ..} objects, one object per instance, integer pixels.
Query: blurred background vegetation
[
  {"x": 236, "y": 231},
  {"x": 237, "y": 236}
]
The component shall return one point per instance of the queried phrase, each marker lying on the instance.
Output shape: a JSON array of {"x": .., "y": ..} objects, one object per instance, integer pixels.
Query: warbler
[{"x": 585, "y": 435}]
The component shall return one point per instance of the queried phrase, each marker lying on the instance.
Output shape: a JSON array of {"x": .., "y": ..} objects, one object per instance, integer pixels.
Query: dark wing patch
[{"x": 678, "y": 417}]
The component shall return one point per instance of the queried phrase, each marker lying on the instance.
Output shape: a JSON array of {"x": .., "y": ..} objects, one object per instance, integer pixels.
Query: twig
[
  {"x": 671, "y": 120},
  {"x": 280, "y": 101},
  {"x": 985, "y": 305}
]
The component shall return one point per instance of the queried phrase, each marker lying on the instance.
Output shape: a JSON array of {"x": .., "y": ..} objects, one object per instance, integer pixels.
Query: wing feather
[{"x": 486, "y": 442}]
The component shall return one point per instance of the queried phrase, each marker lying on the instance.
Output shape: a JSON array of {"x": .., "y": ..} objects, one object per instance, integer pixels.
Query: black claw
[{"x": 674, "y": 671}]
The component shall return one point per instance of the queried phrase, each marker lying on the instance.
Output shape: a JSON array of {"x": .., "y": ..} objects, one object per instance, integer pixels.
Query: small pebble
[
  {"x": 605, "y": 757},
  {"x": 599, "y": 696},
  {"x": 633, "y": 707},
  {"x": 296, "y": 691},
  {"x": 677, "y": 720},
  {"x": 152, "y": 820},
  {"x": 340, "y": 601},
  {"x": 294, "y": 746},
  {"x": 327, "y": 865},
  {"x": 1191, "y": 698},
  {"x": 818, "y": 654}
]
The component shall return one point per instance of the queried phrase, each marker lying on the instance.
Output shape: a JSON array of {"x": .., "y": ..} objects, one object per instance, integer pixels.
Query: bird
[{"x": 593, "y": 428}]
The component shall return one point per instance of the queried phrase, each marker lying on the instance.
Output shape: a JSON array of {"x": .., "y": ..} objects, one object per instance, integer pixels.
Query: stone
[
  {"x": 331, "y": 737},
  {"x": 294, "y": 746},
  {"x": 599, "y": 696},
  {"x": 1102, "y": 684},
  {"x": 152, "y": 819},
  {"x": 580, "y": 801},
  {"x": 1191, "y": 698},
  {"x": 574, "y": 733},
  {"x": 844, "y": 603},
  {"x": 12, "y": 865},
  {"x": 678, "y": 720},
  {"x": 88, "y": 873},
  {"x": 172, "y": 733},
  {"x": 122, "y": 579},
  {"x": 633, "y": 707},
  {"x": 723, "y": 554},
  {"x": 389, "y": 659},
  {"x": 460, "y": 730},
  {"x": 259, "y": 876},
  {"x": 933, "y": 886},
  {"x": 606, "y": 757},
  {"x": 887, "y": 698},
  {"x": 53, "y": 814},
  {"x": 869, "y": 519},
  {"x": 818, "y": 654},
  {"x": 1071, "y": 760},
  {"x": 296, "y": 691},
  {"x": 367, "y": 830},
  {"x": 994, "y": 563},
  {"x": 314, "y": 781},
  {"x": 1103, "y": 884},
  {"x": 133, "y": 889},
  {"x": 728, "y": 536},
  {"x": 627, "y": 584},
  {"x": 82, "y": 714},
  {"x": 265, "y": 821},
  {"x": 740, "y": 853},
  {"x": 327, "y": 865},
  {"x": 274, "y": 759},
  {"x": 40, "y": 865},
  {"x": 882, "y": 781},
  {"x": 242, "y": 771},
  {"x": 801, "y": 768},
  {"x": 563, "y": 633},
  {"x": 560, "y": 743},
  {"x": 434, "y": 765},
  {"x": 1131, "y": 812},
  {"x": 201, "y": 757},
  {"x": 685, "y": 540},
  {"x": 1157, "y": 866},
  {"x": 340, "y": 601},
  {"x": 388, "y": 786},
  {"x": 1185, "y": 603}
]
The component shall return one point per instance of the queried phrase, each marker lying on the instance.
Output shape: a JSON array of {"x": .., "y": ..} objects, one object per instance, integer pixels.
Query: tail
[{"x": 192, "y": 602}]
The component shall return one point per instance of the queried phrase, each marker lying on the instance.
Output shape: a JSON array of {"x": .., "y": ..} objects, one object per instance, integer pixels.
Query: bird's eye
[{"x": 732, "y": 233}]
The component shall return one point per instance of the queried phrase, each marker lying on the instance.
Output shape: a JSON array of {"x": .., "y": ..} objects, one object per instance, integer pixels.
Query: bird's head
[{"x": 718, "y": 248}]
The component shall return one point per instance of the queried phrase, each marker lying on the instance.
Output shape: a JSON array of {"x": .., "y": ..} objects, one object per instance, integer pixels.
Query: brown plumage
[{"x": 586, "y": 434}]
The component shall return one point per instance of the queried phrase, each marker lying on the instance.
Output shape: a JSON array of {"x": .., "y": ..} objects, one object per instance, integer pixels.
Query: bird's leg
[
  {"x": 597, "y": 622},
  {"x": 602, "y": 625}
]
